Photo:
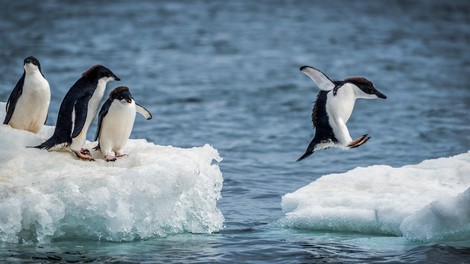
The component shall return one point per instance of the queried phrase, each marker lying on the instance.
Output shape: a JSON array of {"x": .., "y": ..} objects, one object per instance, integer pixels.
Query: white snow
[
  {"x": 153, "y": 191},
  {"x": 422, "y": 202}
]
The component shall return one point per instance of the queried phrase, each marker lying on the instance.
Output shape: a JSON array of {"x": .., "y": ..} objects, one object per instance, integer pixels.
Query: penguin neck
[
  {"x": 94, "y": 103},
  {"x": 348, "y": 93},
  {"x": 31, "y": 69},
  {"x": 100, "y": 88},
  {"x": 95, "y": 99}
]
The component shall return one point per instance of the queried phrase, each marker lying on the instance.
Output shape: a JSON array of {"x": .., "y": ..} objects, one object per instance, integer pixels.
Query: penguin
[
  {"x": 28, "y": 103},
  {"x": 77, "y": 110},
  {"x": 115, "y": 122},
  {"x": 332, "y": 109}
]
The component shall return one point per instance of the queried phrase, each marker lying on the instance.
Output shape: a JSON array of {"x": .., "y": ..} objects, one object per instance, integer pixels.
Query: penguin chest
[
  {"x": 340, "y": 106},
  {"x": 117, "y": 125},
  {"x": 31, "y": 108}
]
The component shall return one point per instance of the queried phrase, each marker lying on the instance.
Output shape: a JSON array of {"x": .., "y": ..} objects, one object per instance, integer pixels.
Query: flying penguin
[
  {"x": 332, "y": 109},
  {"x": 77, "y": 110},
  {"x": 28, "y": 103},
  {"x": 116, "y": 119}
]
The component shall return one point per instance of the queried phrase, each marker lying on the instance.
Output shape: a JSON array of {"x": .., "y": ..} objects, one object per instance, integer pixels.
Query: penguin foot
[
  {"x": 84, "y": 154},
  {"x": 361, "y": 140},
  {"x": 120, "y": 154},
  {"x": 110, "y": 158}
]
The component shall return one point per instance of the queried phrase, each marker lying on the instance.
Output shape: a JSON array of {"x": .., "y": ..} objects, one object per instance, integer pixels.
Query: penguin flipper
[
  {"x": 13, "y": 99},
  {"x": 101, "y": 115},
  {"x": 80, "y": 110},
  {"x": 143, "y": 111},
  {"x": 323, "y": 82}
]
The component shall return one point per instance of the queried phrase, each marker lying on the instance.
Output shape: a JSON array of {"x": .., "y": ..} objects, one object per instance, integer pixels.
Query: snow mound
[
  {"x": 153, "y": 191},
  {"x": 423, "y": 202}
]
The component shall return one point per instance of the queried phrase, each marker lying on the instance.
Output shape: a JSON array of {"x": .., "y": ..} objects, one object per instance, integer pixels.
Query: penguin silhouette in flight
[{"x": 332, "y": 109}]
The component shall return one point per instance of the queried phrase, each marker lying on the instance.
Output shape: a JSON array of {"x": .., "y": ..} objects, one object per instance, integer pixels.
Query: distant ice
[
  {"x": 424, "y": 202},
  {"x": 153, "y": 191}
]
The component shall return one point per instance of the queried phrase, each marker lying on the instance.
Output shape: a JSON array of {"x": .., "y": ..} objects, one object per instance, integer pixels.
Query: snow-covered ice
[
  {"x": 153, "y": 191},
  {"x": 422, "y": 202}
]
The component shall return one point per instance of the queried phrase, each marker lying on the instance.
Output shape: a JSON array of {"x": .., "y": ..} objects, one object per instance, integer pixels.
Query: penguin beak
[
  {"x": 129, "y": 100},
  {"x": 116, "y": 78},
  {"x": 380, "y": 95}
]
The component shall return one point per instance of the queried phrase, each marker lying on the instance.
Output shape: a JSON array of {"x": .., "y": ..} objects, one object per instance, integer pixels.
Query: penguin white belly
[
  {"x": 31, "y": 108},
  {"x": 116, "y": 127},
  {"x": 339, "y": 108},
  {"x": 93, "y": 104}
]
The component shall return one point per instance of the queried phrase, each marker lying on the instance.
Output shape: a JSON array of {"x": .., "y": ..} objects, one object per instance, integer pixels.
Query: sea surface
[{"x": 226, "y": 73}]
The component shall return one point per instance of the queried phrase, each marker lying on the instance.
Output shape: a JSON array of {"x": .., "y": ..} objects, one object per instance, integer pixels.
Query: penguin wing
[
  {"x": 80, "y": 109},
  {"x": 143, "y": 111},
  {"x": 102, "y": 114},
  {"x": 322, "y": 81},
  {"x": 13, "y": 99}
]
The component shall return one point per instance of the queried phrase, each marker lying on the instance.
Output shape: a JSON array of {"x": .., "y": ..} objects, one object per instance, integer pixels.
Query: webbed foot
[
  {"x": 120, "y": 154},
  {"x": 110, "y": 158},
  {"x": 361, "y": 140},
  {"x": 84, "y": 154}
]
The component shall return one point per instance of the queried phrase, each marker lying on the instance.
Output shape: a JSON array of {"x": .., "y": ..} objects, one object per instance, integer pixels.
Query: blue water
[{"x": 226, "y": 73}]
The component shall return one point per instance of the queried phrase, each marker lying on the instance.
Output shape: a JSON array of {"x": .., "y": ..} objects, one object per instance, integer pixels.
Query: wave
[
  {"x": 429, "y": 201},
  {"x": 154, "y": 191}
]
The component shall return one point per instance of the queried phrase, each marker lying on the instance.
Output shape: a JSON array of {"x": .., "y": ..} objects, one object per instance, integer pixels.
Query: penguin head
[
  {"x": 122, "y": 94},
  {"x": 365, "y": 88},
  {"x": 31, "y": 64},
  {"x": 99, "y": 72}
]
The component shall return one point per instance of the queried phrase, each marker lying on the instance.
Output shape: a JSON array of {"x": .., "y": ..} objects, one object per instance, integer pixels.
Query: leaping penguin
[
  {"x": 332, "y": 109},
  {"x": 77, "y": 110},
  {"x": 116, "y": 119},
  {"x": 28, "y": 103}
]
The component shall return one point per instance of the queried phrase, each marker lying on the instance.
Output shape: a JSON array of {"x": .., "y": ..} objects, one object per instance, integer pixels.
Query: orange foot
[
  {"x": 361, "y": 140},
  {"x": 84, "y": 154}
]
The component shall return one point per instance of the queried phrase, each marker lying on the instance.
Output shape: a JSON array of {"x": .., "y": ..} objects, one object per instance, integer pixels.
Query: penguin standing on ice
[
  {"x": 332, "y": 109},
  {"x": 115, "y": 122},
  {"x": 77, "y": 110},
  {"x": 28, "y": 103}
]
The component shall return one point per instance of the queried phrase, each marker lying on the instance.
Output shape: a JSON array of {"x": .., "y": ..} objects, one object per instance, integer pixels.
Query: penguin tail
[
  {"x": 317, "y": 143},
  {"x": 306, "y": 155},
  {"x": 52, "y": 142},
  {"x": 45, "y": 145}
]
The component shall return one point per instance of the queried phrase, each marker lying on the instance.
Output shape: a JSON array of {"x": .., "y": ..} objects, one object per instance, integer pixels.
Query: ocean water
[{"x": 226, "y": 74}]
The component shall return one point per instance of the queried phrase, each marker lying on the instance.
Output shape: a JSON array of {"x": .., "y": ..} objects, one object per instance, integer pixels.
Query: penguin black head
[
  {"x": 121, "y": 93},
  {"x": 367, "y": 87},
  {"x": 31, "y": 63},
  {"x": 32, "y": 60},
  {"x": 97, "y": 72}
]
